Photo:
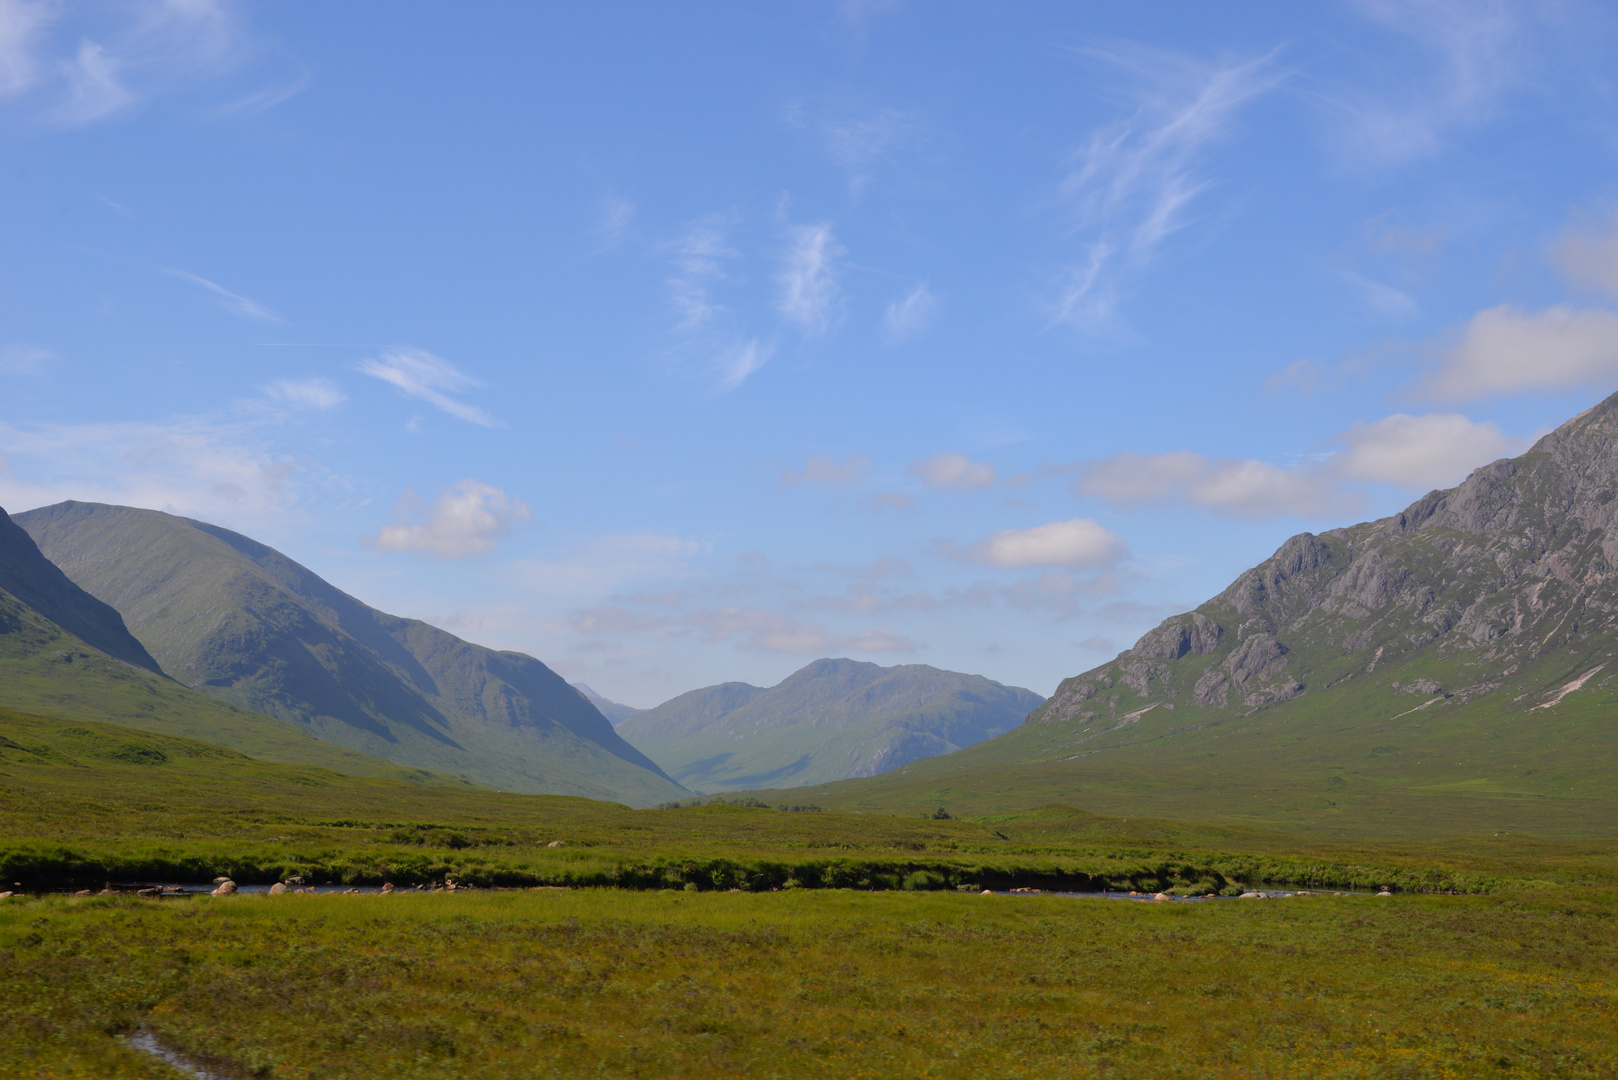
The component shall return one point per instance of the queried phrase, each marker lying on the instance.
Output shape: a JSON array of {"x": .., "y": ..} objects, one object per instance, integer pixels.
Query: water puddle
[{"x": 147, "y": 1043}]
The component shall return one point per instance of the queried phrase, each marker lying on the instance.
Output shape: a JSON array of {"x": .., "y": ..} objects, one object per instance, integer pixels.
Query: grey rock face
[{"x": 1516, "y": 562}]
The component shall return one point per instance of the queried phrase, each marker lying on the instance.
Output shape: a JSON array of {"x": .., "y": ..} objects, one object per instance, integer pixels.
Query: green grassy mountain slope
[
  {"x": 1456, "y": 662},
  {"x": 49, "y": 672},
  {"x": 243, "y": 623},
  {"x": 832, "y": 719},
  {"x": 34, "y": 581}
]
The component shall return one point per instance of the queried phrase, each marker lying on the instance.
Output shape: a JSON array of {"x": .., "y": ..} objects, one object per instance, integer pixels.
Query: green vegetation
[
  {"x": 570, "y": 983},
  {"x": 87, "y": 803},
  {"x": 48, "y": 672},
  {"x": 243, "y": 623},
  {"x": 831, "y": 719}
]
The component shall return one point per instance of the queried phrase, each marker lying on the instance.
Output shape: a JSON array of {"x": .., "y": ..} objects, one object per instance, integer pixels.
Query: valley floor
[{"x": 826, "y": 983}]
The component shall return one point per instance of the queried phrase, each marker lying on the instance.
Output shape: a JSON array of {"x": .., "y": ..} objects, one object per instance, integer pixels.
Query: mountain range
[
  {"x": 829, "y": 720},
  {"x": 242, "y": 623},
  {"x": 1453, "y": 662}
]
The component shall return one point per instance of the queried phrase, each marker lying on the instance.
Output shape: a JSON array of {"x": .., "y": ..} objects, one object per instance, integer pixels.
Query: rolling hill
[
  {"x": 1451, "y": 667},
  {"x": 244, "y": 624},
  {"x": 832, "y": 719}
]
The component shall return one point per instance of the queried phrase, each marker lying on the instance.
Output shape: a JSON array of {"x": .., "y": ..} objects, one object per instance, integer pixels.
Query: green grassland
[
  {"x": 86, "y": 803},
  {"x": 46, "y": 671},
  {"x": 1354, "y": 759},
  {"x": 845, "y": 984}
]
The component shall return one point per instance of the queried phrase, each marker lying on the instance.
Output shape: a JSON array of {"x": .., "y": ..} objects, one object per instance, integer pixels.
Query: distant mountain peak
[{"x": 832, "y": 718}]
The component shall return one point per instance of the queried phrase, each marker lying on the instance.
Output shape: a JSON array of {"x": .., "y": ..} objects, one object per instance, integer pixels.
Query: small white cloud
[
  {"x": 953, "y": 471},
  {"x": 1506, "y": 350},
  {"x": 819, "y": 469},
  {"x": 1078, "y": 543},
  {"x": 1422, "y": 452},
  {"x": 306, "y": 393},
  {"x": 24, "y": 359},
  {"x": 808, "y": 279},
  {"x": 466, "y": 520},
  {"x": 239, "y": 306},
  {"x": 1250, "y": 489},
  {"x": 910, "y": 314},
  {"x": 429, "y": 378}
]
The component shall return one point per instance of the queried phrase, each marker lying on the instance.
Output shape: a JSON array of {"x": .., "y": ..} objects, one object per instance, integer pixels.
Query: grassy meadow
[
  {"x": 833, "y": 983},
  {"x": 728, "y": 940},
  {"x": 84, "y": 804}
]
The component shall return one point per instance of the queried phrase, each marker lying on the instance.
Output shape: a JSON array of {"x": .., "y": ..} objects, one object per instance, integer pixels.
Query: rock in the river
[
  {"x": 226, "y": 887},
  {"x": 278, "y": 889}
]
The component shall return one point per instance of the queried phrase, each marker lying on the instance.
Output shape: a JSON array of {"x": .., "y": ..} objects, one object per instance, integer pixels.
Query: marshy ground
[{"x": 813, "y": 983}]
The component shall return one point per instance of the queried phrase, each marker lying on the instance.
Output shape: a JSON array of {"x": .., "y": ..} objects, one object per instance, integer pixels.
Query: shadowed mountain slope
[
  {"x": 36, "y": 582},
  {"x": 242, "y": 622},
  {"x": 832, "y": 719},
  {"x": 1455, "y": 662}
]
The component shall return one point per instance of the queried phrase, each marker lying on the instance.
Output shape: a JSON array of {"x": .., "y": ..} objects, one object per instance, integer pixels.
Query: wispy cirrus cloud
[
  {"x": 218, "y": 469},
  {"x": 699, "y": 254},
  {"x": 23, "y": 24},
  {"x": 428, "y": 378},
  {"x": 809, "y": 291},
  {"x": 236, "y": 304},
  {"x": 1476, "y": 50},
  {"x": 909, "y": 315},
  {"x": 313, "y": 393},
  {"x": 468, "y": 519},
  {"x": 83, "y": 64},
  {"x": 1133, "y": 183}
]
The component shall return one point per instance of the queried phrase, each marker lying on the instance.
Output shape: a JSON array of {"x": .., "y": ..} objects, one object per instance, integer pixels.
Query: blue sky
[{"x": 677, "y": 344}]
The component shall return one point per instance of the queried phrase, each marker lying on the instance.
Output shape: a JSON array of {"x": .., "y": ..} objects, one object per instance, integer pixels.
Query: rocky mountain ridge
[{"x": 1517, "y": 564}]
